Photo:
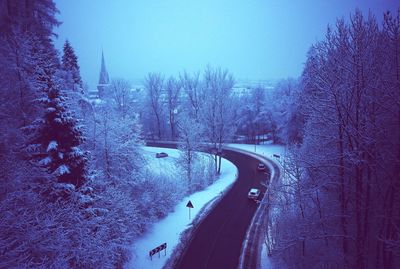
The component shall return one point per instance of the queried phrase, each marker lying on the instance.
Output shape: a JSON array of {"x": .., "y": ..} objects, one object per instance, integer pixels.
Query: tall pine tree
[
  {"x": 70, "y": 63},
  {"x": 57, "y": 136}
]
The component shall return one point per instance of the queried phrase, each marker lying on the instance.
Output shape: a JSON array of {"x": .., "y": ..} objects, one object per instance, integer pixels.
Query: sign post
[{"x": 190, "y": 206}]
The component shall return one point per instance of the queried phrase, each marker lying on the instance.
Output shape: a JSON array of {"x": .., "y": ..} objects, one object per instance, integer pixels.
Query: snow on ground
[
  {"x": 265, "y": 261},
  {"x": 168, "y": 230},
  {"x": 164, "y": 165},
  {"x": 267, "y": 150}
]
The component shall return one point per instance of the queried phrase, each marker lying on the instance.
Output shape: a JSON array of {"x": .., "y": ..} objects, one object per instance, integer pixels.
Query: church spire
[{"x": 104, "y": 80}]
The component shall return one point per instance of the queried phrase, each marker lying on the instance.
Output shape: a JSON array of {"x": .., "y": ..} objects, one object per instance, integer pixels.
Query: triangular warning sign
[{"x": 189, "y": 204}]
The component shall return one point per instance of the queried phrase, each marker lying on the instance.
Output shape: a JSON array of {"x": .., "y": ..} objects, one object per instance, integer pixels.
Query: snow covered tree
[
  {"x": 117, "y": 132},
  {"x": 118, "y": 139},
  {"x": 190, "y": 133},
  {"x": 253, "y": 116},
  {"x": 56, "y": 139},
  {"x": 389, "y": 243},
  {"x": 217, "y": 110},
  {"x": 36, "y": 230},
  {"x": 347, "y": 191},
  {"x": 70, "y": 64},
  {"x": 281, "y": 113},
  {"x": 72, "y": 86}
]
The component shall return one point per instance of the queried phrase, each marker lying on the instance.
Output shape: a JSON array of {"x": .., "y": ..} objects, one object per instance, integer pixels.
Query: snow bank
[
  {"x": 168, "y": 230},
  {"x": 265, "y": 150}
]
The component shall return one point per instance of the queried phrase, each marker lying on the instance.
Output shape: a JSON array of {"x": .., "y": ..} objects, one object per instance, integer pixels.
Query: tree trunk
[
  {"x": 359, "y": 233},
  {"x": 343, "y": 201},
  {"x": 366, "y": 210},
  {"x": 219, "y": 164},
  {"x": 189, "y": 171},
  {"x": 158, "y": 125},
  {"x": 106, "y": 153},
  {"x": 216, "y": 163},
  {"x": 172, "y": 124},
  {"x": 387, "y": 255}
]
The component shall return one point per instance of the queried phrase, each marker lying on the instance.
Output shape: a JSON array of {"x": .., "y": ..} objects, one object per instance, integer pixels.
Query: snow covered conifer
[
  {"x": 57, "y": 137},
  {"x": 70, "y": 63}
]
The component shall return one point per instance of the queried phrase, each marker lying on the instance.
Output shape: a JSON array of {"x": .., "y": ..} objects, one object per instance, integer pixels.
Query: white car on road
[{"x": 253, "y": 194}]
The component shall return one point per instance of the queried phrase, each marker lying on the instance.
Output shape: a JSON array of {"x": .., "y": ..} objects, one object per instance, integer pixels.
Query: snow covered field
[
  {"x": 160, "y": 164},
  {"x": 168, "y": 230}
]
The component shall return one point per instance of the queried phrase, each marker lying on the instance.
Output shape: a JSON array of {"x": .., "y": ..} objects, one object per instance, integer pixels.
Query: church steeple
[{"x": 104, "y": 80}]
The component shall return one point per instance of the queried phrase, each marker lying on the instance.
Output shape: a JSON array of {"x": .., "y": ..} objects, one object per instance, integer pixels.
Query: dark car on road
[
  {"x": 161, "y": 155},
  {"x": 261, "y": 167}
]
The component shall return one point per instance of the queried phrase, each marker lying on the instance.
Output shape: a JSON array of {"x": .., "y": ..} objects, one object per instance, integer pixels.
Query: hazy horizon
[{"x": 254, "y": 40}]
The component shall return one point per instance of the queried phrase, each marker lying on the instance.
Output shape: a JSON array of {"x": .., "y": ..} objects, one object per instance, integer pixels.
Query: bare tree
[
  {"x": 120, "y": 93},
  {"x": 217, "y": 110},
  {"x": 349, "y": 151},
  {"x": 190, "y": 132},
  {"x": 173, "y": 90},
  {"x": 194, "y": 92},
  {"x": 154, "y": 86}
]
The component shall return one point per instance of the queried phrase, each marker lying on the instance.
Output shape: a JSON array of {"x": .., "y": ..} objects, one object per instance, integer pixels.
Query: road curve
[{"x": 218, "y": 240}]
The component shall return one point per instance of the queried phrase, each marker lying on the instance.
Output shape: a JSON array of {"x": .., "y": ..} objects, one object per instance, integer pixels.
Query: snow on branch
[
  {"x": 76, "y": 152},
  {"x": 61, "y": 170},
  {"x": 45, "y": 161},
  {"x": 53, "y": 145}
]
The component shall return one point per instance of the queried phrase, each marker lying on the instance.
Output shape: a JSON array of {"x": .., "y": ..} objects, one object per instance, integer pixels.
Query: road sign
[
  {"x": 158, "y": 249},
  {"x": 190, "y": 206}
]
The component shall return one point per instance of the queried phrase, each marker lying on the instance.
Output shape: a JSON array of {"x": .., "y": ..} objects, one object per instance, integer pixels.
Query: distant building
[
  {"x": 104, "y": 80},
  {"x": 93, "y": 94}
]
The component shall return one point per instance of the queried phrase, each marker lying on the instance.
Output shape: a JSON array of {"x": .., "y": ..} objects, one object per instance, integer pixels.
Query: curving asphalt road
[{"x": 218, "y": 240}]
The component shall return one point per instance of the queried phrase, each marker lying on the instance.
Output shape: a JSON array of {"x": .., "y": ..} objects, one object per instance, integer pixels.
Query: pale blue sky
[{"x": 254, "y": 39}]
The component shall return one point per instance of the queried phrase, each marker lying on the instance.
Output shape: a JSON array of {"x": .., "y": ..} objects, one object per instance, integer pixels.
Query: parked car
[
  {"x": 161, "y": 155},
  {"x": 253, "y": 194},
  {"x": 261, "y": 167}
]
